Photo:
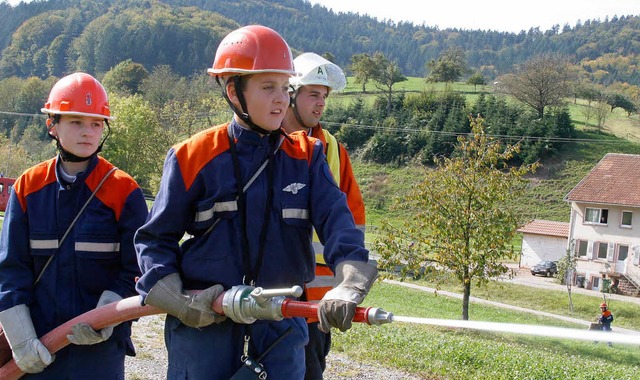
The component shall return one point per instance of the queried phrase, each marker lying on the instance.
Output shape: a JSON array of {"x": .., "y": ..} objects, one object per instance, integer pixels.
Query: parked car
[{"x": 546, "y": 267}]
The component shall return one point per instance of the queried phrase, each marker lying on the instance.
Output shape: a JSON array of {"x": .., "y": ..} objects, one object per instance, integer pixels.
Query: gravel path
[{"x": 151, "y": 360}]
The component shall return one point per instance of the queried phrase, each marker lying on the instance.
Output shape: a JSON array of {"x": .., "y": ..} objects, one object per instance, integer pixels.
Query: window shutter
[
  {"x": 636, "y": 254},
  {"x": 610, "y": 251},
  {"x": 590, "y": 251}
]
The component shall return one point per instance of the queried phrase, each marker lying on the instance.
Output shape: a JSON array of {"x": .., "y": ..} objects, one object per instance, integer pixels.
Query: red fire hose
[
  {"x": 55, "y": 340},
  {"x": 130, "y": 308},
  {"x": 368, "y": 315}
]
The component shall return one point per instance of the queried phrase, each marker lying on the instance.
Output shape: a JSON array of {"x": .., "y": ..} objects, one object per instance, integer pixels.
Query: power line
[
  {"x": 205, "y": 115},
  {"x": 39, "y": 115}
]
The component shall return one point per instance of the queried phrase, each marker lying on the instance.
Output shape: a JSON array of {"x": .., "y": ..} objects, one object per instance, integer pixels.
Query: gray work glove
[
  {"x": 338, "y": 306},
  {"x": 29, "y": 353},
  {"x": 83, "y": 334},
  {"x": 194, "y": 310}
]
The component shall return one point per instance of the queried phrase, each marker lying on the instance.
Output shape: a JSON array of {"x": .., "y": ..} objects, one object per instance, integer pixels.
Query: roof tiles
[
  {"x": 614, "y": 180},
  {"x": 546, "y": 227}
]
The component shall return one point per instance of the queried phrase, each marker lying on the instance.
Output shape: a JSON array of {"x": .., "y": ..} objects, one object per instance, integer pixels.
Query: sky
[{"x": 499, "y": 15}]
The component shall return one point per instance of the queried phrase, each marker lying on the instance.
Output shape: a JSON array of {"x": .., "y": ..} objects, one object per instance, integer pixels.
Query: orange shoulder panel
[
  {"x": 194, "y": 153},
  {"x": 34, "y": 179},
  {"x": 300, "y": 147},
  {"x": 115, "y": 189}
]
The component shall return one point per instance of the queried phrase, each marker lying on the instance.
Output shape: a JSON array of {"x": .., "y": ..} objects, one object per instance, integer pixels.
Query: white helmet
[{"x": 313, "y": 69}]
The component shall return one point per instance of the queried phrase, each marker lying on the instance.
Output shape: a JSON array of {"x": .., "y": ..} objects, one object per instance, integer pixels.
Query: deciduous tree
[
  {"x": 460, "y": 217},
  {"x": 386, "y": 74},
  {"x": 125, "y": 78},
  {"x": 476, "y": 80},
  {"x": 449, "y": 67},
  {"x": 542, "y": 81},
  {"x": 138, "y": 143},
  {"x": 363, "y": 69}
]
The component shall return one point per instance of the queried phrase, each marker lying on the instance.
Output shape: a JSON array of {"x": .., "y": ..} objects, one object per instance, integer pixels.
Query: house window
[
  {"x": 581, "y": 248},
  {"x": 623, "y": 252},
  {"x": 627, "y": 218},
  {"x": 602, "y": 250},
  {"x": 596, "y": 215}
]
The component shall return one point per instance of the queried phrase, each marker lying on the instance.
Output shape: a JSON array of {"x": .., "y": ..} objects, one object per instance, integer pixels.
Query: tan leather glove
[
  {"x": 194, "y": 309},
  {"x": 83, "y": 334},
  {"x": 29, "y": 353},
  {"x": 338, "y": 306}
]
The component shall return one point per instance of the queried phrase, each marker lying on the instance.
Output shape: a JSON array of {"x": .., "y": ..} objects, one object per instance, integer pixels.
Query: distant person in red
[
  {"x": 606, "y": 318},
  {"x": 66, "y": 245}
]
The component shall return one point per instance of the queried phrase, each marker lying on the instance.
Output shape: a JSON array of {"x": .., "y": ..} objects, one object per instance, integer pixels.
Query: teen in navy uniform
[{"x": 67, "y": 243}]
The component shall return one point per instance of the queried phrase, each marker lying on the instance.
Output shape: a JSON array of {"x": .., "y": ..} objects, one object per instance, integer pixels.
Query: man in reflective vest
[{"x": 317, "y": 78}]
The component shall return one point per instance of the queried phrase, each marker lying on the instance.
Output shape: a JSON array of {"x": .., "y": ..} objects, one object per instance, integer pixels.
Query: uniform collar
[
  {"x": 246, "y": 136},
  {"x": 80, "y": 177}
]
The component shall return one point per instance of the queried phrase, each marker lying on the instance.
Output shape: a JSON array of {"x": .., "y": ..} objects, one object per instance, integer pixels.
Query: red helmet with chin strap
[
  {"x": 250, "y": 50},
  {"x": 604, "y": 304},
  {"x": 78, "y": 94}
]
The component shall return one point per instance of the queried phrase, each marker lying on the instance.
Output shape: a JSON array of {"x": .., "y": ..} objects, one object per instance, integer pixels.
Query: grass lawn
[{"x": 433, "y": 352}]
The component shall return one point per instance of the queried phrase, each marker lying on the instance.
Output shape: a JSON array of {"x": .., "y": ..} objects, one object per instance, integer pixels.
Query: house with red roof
[
  {"x": 543, "y": 240},
  {"x": 604, "y": 227}
]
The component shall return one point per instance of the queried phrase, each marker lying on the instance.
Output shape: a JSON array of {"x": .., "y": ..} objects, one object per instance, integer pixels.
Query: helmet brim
[{"x": 96, "y": 115}]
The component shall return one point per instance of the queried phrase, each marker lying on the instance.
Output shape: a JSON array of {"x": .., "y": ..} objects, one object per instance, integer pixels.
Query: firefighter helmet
[
  {"x": 315, "y": 70},
  {"x": 250, "y": 50},
  {"x": 78, "y": 94}
]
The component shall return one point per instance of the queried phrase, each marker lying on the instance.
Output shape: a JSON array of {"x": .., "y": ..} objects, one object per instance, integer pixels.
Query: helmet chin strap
[
  {"x": 293, "y": 105},
  {"x": 243, "y": 113},
  {"x": 67, "y": 156}
]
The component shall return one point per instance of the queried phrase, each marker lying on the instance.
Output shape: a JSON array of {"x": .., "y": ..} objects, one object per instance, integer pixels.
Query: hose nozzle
[
  {"x": 377, "y": 316},
  {"x": 246, "y": 304}
]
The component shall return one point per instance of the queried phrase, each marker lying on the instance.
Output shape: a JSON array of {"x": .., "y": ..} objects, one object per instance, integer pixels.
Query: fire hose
[
  {"x": 242, "y": 304},
  {"x": 246, "y": 304}
]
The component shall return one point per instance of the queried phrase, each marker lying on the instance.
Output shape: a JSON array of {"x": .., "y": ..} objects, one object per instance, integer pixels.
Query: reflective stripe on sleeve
[
  {"x": 97, "y": 247},
  {"x": 295, "y": 213},
  {"x": 203, "y": 216},
  {"x": 43, "y": 244}
]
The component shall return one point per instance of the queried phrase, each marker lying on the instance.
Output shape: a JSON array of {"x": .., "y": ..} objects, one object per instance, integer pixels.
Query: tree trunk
[{"x": 465, "y": 299}]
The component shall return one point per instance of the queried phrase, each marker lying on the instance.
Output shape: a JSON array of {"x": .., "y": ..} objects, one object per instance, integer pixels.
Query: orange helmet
[
  {"x": 250, "y": 50},
  {"x": 604, "y": 304},
  {"x": 78, "y": 94}
]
